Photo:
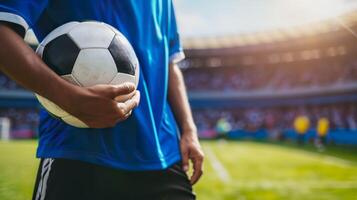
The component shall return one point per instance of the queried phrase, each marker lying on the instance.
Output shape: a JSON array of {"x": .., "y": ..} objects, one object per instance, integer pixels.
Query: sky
[{"x": 197, "y": 18}]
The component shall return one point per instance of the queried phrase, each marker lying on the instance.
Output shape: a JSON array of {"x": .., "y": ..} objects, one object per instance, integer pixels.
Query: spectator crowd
[
  {"x": 7, "y": 84},
  {"x": 243, "y": 78},
  {"x": 23, "y": 121},
  {"x": 340, "y": 116},
  {"x": 247, "y": 78}
]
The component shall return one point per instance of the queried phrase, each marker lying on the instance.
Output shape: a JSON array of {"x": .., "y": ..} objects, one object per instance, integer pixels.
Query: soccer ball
[{"x": 87, "y": 54}]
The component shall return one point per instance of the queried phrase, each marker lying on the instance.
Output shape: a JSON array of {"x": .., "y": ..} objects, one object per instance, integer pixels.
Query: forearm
[
  {"x": 178, "y": 100},
  {"x": 20, "y": 63},
  {"x": 189, "y": 144}
]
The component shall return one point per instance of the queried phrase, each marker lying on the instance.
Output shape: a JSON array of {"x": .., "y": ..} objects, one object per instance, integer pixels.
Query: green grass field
[{"x": 233, "y": 170}]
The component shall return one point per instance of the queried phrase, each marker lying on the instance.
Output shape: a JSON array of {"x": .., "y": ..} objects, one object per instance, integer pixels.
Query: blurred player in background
[
  {"x": 301, "y": 125},
  {"x": 222, "y": 128},
  {"x": 322, "y": 129}
]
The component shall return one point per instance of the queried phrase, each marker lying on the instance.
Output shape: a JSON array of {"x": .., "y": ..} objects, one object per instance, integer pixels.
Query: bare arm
[
  {"x": 190, "y": 147},
  {"x": 19, "y": 62},
  {"x": 179, "y": 101}
]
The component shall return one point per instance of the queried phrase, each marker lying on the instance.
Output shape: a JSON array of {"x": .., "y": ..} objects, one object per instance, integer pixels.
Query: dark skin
[
  {"x": 95, "y": 106},
  {"x": 190, "y": 146}
]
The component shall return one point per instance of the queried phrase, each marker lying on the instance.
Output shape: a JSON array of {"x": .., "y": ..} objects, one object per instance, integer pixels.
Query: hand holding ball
[{"x": 88, "y": 54}]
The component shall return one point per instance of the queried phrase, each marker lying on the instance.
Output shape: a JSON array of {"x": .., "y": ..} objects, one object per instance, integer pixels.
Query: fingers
[
  {"x": 133, "y": 102},
  {"x": 125, "y": 108},
  {"x": 197, "y": 169},
  {"x": 185, "y": 158},
  {"x": 104, "y": 110},
  {"x": 130, "y": 104},
  {"x": 123, "y": 98},
  {"x": 122, "y": 89}
]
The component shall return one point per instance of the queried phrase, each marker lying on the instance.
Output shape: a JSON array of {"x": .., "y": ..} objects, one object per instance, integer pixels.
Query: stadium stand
[
  {"x": 259, "y": 83},
  {"x": 7, "y": 84},
  {"x": 24, "y": 121},
  {"x": 267, "y": 78}
]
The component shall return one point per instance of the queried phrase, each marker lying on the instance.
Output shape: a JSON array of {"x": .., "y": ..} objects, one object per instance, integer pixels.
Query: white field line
[
  {"x": 335, "y": 160},
  {"x": 267, "y": 184},
  {"x": 331, "y": 159},
  {"x": 217, "y": 165}
]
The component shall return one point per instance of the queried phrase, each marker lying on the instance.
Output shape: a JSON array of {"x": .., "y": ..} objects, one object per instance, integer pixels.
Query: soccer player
[
  {"x": 322, "y": 129},
  {"x": 301, "y": 126},
  {"x": 143, "y": 155}
]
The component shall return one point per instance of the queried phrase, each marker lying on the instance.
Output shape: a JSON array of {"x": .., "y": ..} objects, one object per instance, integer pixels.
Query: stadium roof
[
  {"x": 335, "y": 24},
  {"x": 264, "y": 37}
]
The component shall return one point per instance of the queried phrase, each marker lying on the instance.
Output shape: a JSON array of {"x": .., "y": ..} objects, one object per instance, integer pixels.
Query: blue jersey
[{"x": 149, "y": 139}]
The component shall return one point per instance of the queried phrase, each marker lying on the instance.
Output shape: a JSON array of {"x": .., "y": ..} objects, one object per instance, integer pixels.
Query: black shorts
[{"x": 62, "y": 179}]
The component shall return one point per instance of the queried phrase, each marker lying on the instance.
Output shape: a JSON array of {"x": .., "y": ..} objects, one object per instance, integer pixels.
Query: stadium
[
  {"x": 246, "y": 92},
  {"x": 261, "y": 82}
]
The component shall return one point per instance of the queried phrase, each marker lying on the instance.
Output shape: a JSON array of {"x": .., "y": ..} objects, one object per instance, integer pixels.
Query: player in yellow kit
[
  {"x": 301, "y": 126},
  {"x": 322, "y": 129}
]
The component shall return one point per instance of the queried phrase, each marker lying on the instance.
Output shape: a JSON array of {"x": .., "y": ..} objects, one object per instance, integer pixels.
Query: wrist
[
  {"x": 189, "y": 128},
  {"x": 69, "y": 94}
]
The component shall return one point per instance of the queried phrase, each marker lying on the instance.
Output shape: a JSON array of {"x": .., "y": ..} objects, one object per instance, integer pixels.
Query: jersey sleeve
[
  {"x": 21, "y": 14},
  {"x": 175, "y": 48}
]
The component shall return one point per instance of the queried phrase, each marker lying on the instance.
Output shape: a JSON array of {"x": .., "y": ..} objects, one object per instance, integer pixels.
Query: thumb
[
  {"x": 122, "y": 89},
  {"x": 185, "y": 159}
]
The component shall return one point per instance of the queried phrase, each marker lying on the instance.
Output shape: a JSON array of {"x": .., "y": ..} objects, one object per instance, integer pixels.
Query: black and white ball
[{"x": 87, "y": 54}]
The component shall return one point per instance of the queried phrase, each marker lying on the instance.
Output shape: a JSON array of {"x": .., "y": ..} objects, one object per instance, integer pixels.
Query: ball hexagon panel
[
  {"x": 123, "y": 54},
  {"x": 91, "y": 35},
  {"x": 85, "y": 69},
  {"x": 61, "y": 30},
  {"x": 121, "y": 78},
  {"x": 130, "y": 48},
  {"x": 132, "y": 53},
  {"x": 113, "y": 29},
  {"x": 60, "y": 54}
]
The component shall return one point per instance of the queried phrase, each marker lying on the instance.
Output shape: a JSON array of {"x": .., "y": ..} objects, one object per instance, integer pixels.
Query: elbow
[{"x": 175, "y": 70}]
